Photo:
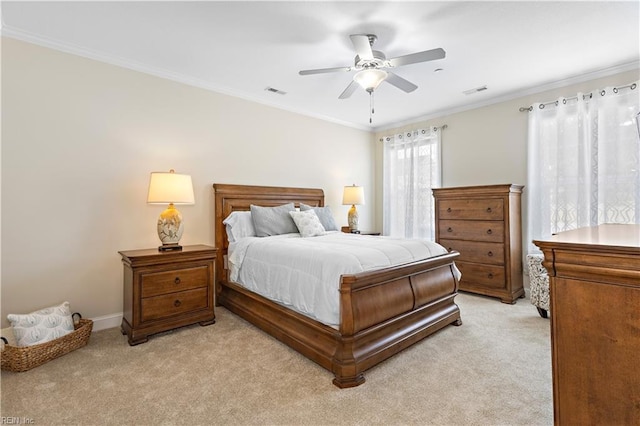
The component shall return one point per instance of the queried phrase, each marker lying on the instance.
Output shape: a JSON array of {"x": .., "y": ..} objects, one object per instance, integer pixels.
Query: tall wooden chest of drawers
[
  {"x": 166, "y": 290},
  {"x": 483, "y": 223}
]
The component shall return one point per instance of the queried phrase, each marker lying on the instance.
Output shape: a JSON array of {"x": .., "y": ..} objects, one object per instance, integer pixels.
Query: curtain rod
[
  {"x": 585, "y": 96},
  {"x": 435, "y": 128}
]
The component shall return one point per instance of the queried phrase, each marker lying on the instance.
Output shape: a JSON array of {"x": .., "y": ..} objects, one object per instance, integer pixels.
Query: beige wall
[
  {"x": 79, "y": 139},
  {"x": 488, "y": 145}
]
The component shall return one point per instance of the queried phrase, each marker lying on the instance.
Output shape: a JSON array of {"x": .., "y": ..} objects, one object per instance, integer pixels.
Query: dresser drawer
[
  {"x": 157, "y": 283},
  {"x": 474, "y": 209},
  {"x": 477, "y": 252},
  {"x": 484, "y": 275},
  {"x": 490, "y": 231},
  {"x": 172, "y": 304}
]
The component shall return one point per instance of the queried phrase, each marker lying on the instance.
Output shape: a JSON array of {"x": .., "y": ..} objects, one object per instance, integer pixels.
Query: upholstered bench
[{"x": 538, "y": 283}]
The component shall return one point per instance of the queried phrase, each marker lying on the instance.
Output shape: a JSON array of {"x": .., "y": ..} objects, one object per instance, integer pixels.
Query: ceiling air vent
[
  {"x": 476, "y": 90},
  {"x": 272, "y": 90}
]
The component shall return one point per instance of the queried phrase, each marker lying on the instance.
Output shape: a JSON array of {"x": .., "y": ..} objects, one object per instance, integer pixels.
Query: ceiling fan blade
[
  {"x": 324, "y": 70},
  {"x": 400, "y": 82},
  {"x": 427, "y": 55},
  {"x": 349, "y": 90},
  {"x": 362, "y": 45}
]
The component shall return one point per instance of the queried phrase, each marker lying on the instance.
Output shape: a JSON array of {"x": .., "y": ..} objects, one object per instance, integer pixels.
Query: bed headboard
[{"x": 230, "y": 198}]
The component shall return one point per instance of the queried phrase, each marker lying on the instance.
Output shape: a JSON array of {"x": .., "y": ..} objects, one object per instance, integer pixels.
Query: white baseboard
[{"x": 107, "y": 321}]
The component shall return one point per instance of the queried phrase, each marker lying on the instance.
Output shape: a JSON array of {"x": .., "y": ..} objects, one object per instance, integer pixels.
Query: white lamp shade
[
  {"x": 170, "y": 187},
  {"x": 353, "y": 195},
  {"x": 370, "y": 79}
]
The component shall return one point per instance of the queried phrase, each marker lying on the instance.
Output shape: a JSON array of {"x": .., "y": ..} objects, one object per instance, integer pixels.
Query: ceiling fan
[{"x": 371, "y": 65}]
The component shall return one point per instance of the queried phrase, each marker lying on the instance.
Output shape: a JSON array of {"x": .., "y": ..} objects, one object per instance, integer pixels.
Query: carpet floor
[{"x": 495, "y": 369}]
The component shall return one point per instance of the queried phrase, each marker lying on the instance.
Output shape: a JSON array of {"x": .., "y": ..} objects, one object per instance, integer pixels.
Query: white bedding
[{"x": 304, "y": 273}]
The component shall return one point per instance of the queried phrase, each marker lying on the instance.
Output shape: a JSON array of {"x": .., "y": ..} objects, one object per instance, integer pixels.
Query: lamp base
[
  {"x": 170, "y": 227},
  {"x": 170, "y": 247},
  {"x": 352, "y": 219}
]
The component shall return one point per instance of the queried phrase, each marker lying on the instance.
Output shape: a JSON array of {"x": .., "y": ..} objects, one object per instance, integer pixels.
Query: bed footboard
[{"x": 383, "y": 312}]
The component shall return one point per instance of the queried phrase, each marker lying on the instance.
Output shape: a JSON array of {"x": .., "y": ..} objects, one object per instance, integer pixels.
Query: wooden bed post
[{"x": 344, "y": 365}]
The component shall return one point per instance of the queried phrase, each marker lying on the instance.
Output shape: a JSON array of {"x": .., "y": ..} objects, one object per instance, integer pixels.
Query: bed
[{"x": 381, "y": 312}]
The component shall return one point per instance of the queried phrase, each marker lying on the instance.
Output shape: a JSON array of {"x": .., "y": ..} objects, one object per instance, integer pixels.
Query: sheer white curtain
[
  {"x": 411, "y": 167},
  {"x": 584, "y": 162}
]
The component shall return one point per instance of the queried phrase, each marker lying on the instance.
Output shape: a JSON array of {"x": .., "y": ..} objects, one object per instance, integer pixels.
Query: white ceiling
[{"x": 241, "y": 48}]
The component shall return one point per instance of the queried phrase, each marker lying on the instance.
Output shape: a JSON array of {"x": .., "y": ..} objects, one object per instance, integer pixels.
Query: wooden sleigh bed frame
[{"x": 381, "y": 312}]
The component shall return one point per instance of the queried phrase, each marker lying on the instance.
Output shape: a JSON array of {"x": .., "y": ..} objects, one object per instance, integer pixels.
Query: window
[
  {"x": 584, "y": 162},
  {"x": 411, "y": 167}
]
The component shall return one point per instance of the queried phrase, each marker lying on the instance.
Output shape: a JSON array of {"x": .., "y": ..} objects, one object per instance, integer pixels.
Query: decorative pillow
[
  {"x": 273, "y": 220},
  {"x": 41, "y": 326},
  {"x": 324, "y": 214},
  {"x": 308, "y": 223},
  {"x": 239, "y": 224}
]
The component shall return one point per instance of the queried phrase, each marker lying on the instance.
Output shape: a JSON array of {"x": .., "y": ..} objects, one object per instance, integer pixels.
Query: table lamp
[
  {"x": 170, "y": 188},
  {"x": 353, "y": 195}
]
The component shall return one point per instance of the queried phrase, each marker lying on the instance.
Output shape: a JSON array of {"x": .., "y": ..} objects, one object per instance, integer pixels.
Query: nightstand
[
  {"x": 346, "y": 230},
  {"x": 167, "y": 290}
]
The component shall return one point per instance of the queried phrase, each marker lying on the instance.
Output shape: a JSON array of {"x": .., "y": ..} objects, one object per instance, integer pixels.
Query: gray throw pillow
[
  {"x": 273, "y": 220},
  {"x": 324, "y": 214}
]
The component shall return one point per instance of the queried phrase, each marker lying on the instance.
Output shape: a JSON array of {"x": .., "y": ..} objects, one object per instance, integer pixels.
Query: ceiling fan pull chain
[{"x": 371, "y": 110}]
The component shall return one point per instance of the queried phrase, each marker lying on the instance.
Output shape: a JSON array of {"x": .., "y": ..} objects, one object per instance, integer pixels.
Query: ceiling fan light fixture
[{"x": 370, "y": 79}]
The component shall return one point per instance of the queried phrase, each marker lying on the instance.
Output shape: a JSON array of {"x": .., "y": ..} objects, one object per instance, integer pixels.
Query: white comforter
[{"x": 304, "y": 273}]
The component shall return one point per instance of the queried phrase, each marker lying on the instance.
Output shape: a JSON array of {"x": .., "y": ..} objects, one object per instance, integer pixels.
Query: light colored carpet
[{"x": 495, "y": 369}]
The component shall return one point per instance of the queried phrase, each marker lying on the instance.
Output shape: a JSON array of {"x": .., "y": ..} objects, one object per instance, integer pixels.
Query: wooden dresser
[
  {"x": 483, "y": 223},
  {"x": 166, "y": 290},
  {"x": 594, "y": 276}
]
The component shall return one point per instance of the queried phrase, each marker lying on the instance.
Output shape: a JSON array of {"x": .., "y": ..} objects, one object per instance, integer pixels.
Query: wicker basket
[{"x": 25, "y": 358}]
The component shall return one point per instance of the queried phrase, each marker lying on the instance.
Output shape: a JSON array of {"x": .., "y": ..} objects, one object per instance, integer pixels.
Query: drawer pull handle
[
  {"x": 490, "y": 254},
  {"x": 449, "y": 230},
  {"x": 449, "y": 210},
  {"x": 489, "y": 231},
  {"x": 488, "y": 209},
  {"x": 177, "y": 303},
  {"x": 177, "y": 281},
  {"x": 490, "y": 275}
]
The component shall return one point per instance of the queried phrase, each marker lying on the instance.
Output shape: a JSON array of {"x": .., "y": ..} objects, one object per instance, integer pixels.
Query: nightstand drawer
[
  {"x": 157, "y": 283},
  {"x": 174, "y": 304},
  {"x": 471, "y": 251},
  {"x": 480, "y": 209},
  {"x": 490, "y": 231}
]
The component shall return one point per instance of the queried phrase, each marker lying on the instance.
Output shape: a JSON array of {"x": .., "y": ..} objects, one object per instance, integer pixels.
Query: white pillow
[
  {"x": 239, "y": 225},
  {"x": 308, "y": 223},
  {"x": 324, "y": 214},
  {"x": 42, "y": 326}
]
